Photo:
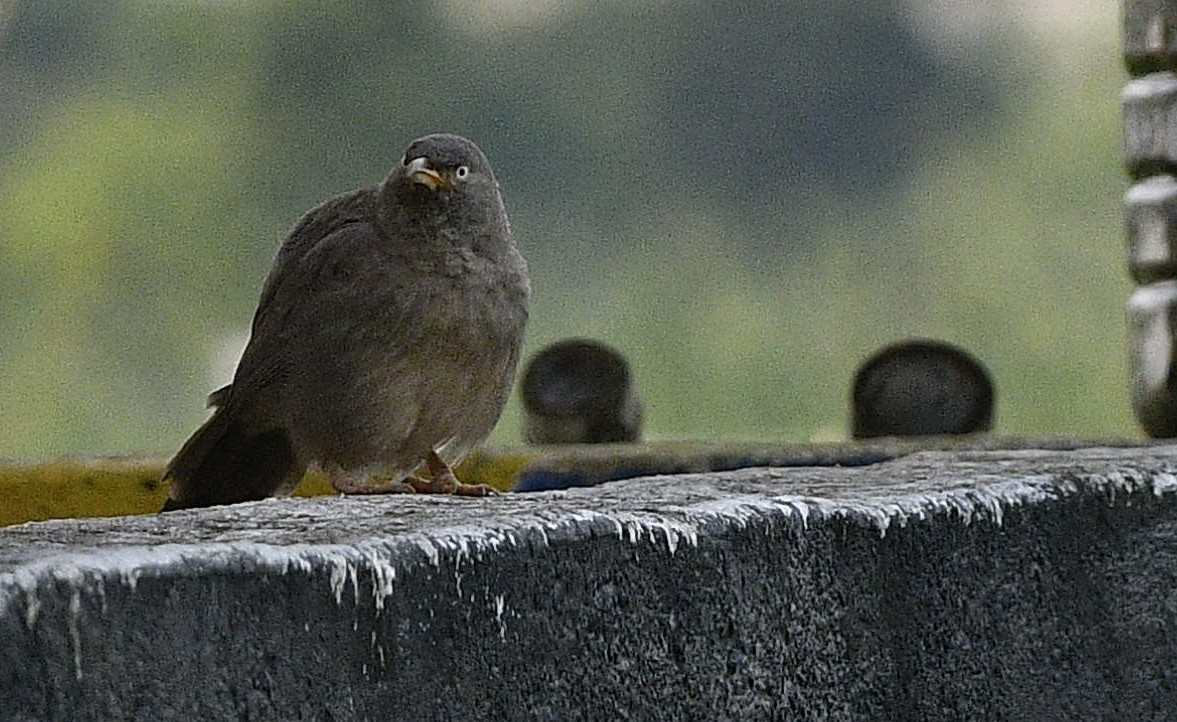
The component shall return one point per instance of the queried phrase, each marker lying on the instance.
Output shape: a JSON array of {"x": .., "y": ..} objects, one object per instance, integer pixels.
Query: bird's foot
[
  {"x": 442, "y": 481},
  {"x": 448, "y": 485}
]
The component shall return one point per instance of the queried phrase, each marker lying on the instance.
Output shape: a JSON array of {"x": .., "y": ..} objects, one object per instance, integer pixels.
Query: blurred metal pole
[{"x": 1150, "y": 209}]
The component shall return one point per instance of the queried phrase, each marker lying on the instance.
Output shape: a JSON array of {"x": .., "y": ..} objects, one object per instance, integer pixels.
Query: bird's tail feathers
[{"x": 224, "y": 464}]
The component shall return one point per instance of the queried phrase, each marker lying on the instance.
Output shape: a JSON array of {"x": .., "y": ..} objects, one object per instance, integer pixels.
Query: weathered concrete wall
[
  {"x": 1013, "y": 585},
  {"x": 118, "y": 486}
]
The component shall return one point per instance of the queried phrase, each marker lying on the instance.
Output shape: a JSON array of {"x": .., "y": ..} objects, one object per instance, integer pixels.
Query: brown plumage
[{"x": 385, "y": 341}]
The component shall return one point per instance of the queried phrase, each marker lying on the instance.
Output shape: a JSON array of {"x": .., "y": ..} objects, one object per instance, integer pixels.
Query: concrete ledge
[
  {"x": 940, "y": 586},
  {"x": 116, "y": 486}
]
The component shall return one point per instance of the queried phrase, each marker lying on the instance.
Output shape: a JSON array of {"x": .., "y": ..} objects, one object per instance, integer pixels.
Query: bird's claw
[
  {"x": 448, "y": 484},
  {"x": 475, "y": 490}
]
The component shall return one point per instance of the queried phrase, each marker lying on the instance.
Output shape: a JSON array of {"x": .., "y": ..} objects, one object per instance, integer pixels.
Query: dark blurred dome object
[
  {"x": 921, "y": 388},
  {"x": 579, "y": 391}
]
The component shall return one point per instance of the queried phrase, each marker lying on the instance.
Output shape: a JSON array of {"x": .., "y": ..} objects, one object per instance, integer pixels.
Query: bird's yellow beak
[{"x": 420, "y": 172}]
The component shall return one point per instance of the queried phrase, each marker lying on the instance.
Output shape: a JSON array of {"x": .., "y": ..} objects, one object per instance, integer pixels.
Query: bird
[
  {"x": 921, "y": 387},
  {"x": 579, "y": 391},
  {"x": 384, "y": 345}
]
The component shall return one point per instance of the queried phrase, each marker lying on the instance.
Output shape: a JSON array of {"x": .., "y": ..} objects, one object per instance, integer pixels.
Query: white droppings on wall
[
  {"x": 383, "y": 576},
  {"x": 429, "y": 547},
  {"x": 28, "y": 585},
  {"x": 500, "y": 604},
  {"x": 1163, "y": 483},
  {"x": 74, "y": 578},
  {"x": 343, "y": 572}
]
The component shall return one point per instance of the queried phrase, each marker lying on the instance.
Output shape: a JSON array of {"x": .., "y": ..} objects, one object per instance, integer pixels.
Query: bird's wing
[
  {"x": 316, "y": 225},
  {"x": 333, "y": 294}
]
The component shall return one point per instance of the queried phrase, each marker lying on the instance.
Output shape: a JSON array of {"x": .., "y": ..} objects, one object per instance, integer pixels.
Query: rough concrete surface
[{"x": 996, "y": 585}]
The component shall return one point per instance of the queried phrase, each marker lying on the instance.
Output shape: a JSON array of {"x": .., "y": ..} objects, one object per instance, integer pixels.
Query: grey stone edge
[{"x": 993, "y": 584}]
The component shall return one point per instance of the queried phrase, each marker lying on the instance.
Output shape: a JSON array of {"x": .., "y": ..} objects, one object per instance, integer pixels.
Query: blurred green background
[{"x": 746, "y": 198}]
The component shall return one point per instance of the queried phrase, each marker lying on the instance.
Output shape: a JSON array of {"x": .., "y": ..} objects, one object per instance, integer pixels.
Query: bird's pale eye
[{"x": 462, "y": 173}]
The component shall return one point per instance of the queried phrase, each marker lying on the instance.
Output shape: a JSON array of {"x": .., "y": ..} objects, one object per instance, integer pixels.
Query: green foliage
[
  {"x": 747, "y": 205},
  {"x": 109, "y": 293}
]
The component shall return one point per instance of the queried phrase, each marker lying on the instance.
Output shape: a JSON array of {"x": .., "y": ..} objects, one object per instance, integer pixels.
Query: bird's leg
[
  {"x": 442, "y": 480},
  {"x": 359, "y": 482}
]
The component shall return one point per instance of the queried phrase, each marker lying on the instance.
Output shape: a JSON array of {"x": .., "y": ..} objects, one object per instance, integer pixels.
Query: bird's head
[
  {"x": 443, "y": 164},
  {"x": 444, "y": 184}
]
